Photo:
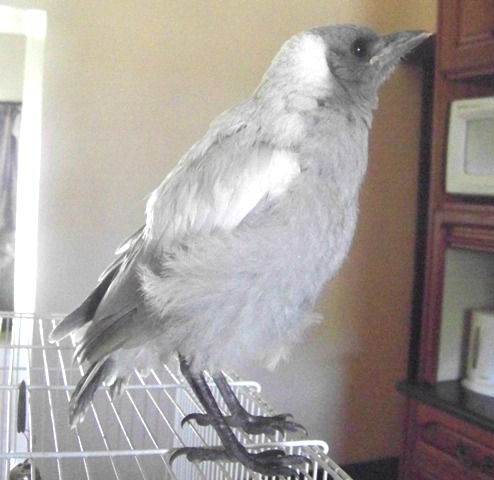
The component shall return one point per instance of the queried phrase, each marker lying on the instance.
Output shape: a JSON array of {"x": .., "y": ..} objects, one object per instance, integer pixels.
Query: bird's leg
[
  {"x": 269, "y": 462},
  {"x": 240, "y": 418}
]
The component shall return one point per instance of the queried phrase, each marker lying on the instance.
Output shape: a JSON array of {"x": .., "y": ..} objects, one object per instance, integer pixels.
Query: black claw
[
  {"x": 297, "y": 426},
  {"x": 199, "y": 454},
  {"x": 200, "y": 418}
]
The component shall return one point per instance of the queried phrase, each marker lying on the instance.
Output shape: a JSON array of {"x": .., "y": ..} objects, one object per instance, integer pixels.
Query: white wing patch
[
  {"x": 228, "y": 202},
  {"x": 233, "y": 203},
  {"x": 283, "y": 169}
]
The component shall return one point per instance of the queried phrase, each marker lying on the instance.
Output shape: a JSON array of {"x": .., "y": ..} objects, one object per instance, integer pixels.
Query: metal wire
[{"x": 128, "y": 438}]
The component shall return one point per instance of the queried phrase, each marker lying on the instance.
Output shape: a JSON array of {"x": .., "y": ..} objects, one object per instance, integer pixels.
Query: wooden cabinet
[
  {"x": 449, "y": 432},
  {"x": 468, "y": 36},
  {"x": 447, "y": 448}
]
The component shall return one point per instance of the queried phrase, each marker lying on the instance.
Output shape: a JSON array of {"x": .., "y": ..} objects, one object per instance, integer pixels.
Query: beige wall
[
  {"x": 12, "y": 67},
  {"x": 130, "y": 85}
]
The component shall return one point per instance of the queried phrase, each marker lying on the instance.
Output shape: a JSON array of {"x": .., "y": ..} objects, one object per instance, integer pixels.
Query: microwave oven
[{"x": 470, "y": 147}]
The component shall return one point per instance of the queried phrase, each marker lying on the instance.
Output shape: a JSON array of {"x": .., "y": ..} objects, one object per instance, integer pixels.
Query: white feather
[
  {"x": 311, "y": 61},
  {"x": 283, "y": 169},
  {"x": 233, "y": 203},
  {"x": 230, "y": 200}
]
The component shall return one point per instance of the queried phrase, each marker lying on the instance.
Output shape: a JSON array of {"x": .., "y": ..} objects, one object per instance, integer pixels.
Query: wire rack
[{"x": 127, "y": 438}]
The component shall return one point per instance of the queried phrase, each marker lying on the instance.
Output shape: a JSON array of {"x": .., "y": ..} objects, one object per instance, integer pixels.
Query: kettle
[{"x": 480, "y": 354}]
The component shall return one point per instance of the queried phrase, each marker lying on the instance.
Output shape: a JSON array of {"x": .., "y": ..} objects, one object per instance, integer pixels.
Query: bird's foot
[
  {"x": 258, "y": 424},
  {"x": 252, "y": 424},
  {"x": 268, "y": 462}
]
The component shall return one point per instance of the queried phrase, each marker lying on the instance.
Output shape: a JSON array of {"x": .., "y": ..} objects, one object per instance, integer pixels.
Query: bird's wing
[{"x": 219, "y": 189}]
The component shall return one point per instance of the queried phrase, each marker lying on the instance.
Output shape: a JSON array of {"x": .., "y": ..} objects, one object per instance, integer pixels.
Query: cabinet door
[
  {"x": 467, "y": 36},
  {"x": 447, "y": 448}
]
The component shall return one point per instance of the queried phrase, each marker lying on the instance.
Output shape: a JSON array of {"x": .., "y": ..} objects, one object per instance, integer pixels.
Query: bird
[{"x": 241, "y": 236}]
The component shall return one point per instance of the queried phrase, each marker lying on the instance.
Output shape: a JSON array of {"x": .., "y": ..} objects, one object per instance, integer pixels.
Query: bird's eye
[{"x": 359, "y": 48}]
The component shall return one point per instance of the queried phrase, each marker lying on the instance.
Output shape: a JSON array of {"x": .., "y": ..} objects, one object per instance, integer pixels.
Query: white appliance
[
  {"x": 470, "y": 148},
  {"x": 480, "y": 357}
]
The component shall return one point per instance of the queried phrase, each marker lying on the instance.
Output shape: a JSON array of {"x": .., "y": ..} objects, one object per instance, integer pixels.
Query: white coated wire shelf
[{"x": 128, "y": 438}]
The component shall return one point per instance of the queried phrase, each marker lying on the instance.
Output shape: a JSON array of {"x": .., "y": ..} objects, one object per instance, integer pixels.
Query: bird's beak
[{"x": 395, "y": 45}]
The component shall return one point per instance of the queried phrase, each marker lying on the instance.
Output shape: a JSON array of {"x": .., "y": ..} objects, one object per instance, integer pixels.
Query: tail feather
[
  {"x": 87, "y": 386},
  {"x": 107, "y": 311},
  {"x": 85, "y": 312},
  {"x": 104, "y": 337}
]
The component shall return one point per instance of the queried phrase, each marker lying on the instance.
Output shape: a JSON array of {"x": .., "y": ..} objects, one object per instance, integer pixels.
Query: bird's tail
[
  {"x": 84, "y": 392},
  {"x": 97, "y": 321}
]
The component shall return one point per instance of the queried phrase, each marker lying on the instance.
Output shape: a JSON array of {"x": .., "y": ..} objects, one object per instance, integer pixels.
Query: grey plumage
[{"x": 242, "y": 235}]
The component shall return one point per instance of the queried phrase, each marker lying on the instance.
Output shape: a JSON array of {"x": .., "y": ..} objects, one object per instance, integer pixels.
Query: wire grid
[{"x": 130, "y": 437}]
